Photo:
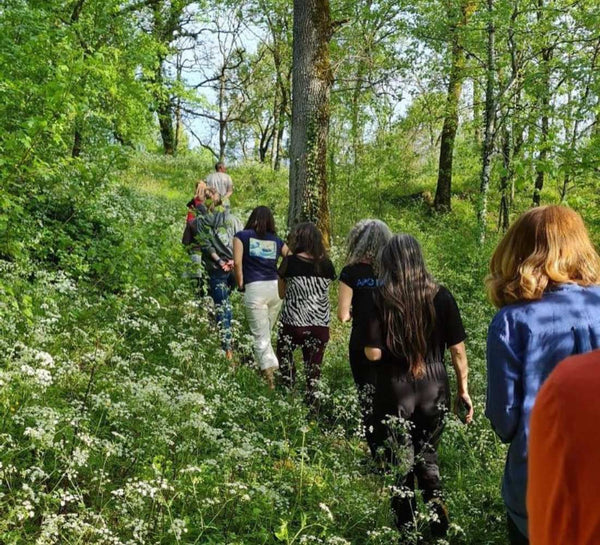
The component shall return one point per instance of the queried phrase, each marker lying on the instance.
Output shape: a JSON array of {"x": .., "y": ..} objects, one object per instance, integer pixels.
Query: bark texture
[
  {"x": 457, "y": 65},
  {"x": 490, "y": 115},
  {"x": 311, "y": 84},
  {"x": 544, "y": 107}
]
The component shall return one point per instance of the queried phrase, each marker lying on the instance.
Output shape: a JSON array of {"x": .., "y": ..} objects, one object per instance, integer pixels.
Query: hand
[{"x": 463, "y": 406}]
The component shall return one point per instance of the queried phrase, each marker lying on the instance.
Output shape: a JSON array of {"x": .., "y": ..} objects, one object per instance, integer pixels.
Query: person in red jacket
[{"x": 564, "y": 448}]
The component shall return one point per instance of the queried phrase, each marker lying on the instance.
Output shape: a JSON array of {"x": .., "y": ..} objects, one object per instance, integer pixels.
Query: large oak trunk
[{"x": 311, "y": 84}]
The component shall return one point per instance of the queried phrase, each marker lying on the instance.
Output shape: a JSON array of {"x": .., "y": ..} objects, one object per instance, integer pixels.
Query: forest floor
[{"x": 123, "y": 422}]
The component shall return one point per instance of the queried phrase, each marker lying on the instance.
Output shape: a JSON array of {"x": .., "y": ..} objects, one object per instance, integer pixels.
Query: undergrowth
[{"x": 123, "y": 423}]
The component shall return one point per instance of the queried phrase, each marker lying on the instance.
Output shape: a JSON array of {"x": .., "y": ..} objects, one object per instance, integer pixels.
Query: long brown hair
[
  {"x": 262, "y": 221},
  {"x": 546, "y": 246},
  {"x": 405, "y": 299},
  {"x": 306, "y": 238}
]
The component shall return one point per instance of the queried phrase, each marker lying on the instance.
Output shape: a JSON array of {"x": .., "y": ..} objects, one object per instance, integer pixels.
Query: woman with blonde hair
[{"x": 543, "y": 278}]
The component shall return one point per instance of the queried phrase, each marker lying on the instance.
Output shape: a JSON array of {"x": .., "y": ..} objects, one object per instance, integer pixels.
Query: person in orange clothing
[{"x": 563, "y": 499}]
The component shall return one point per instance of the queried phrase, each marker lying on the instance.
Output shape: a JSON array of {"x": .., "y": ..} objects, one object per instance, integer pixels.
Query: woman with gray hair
[{"x": 358, "y": 280}]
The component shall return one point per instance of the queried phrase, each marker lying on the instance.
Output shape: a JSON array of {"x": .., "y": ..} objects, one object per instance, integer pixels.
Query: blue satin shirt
[{"x": 525, "y": 342}]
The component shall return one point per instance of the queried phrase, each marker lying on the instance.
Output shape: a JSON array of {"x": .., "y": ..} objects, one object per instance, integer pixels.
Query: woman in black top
[
  {"x": 413, "y": 322},
  {"x": 304, "y": 280},
  {"x": 355, "y": 302}
]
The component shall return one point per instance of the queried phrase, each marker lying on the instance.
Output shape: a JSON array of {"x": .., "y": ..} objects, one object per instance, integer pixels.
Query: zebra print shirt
[{"x": 306, "y": 301}]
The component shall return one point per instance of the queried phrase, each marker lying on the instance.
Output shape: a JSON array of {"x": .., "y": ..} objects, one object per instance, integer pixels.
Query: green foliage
[{"x": 123, "y": 424}]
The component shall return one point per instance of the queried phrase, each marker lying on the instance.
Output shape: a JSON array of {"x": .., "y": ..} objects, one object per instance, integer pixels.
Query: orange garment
[{"x": 563, "y": 496}]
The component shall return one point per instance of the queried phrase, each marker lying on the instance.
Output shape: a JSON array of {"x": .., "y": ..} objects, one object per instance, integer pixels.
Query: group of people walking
[{"x": 544, "y": 278}]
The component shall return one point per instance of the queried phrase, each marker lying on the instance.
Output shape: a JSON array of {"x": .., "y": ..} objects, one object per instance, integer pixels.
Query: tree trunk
[
  {"x": 477, "y": 112},
  {"x": 178, "y": 116},
  {"x": 544, "y": 107},
  {"x": 77, "y": 142},
  {"x": 444, "y": 183},
  {"x": 355, "y": 128},
  {"x": 490, "y": 114},
  {"x": 311, "y": 85},
  {"x": 506, "y": 181},
  {"x": 222, "y": 118},
  {"x": 164, "y": 110},
  {"x": 165, "y": 122}
]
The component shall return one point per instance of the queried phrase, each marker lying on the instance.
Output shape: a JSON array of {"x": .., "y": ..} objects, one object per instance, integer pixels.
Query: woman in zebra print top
[{"x": 304, "y": 280}]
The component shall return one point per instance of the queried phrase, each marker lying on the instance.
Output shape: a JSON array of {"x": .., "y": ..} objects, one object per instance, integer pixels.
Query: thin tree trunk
[
  {"x": 490, "y": 114},
  {"x": 544, "y": 107},
  {"x": 165, "y": 122},
  {"x": 311, "y": 84},
  {"x": 77, "y": 142},
  {"x": 222, "y": 119},
  {"x": 444, "y": 183},
  {"x": 355, "y": 128},
  {"x": 477, "y": 112},
  {"x": 164, "y": 110},
  {"x": 178, "y": 118},
  {"x": 275, "y": 141},
  {"x": 506, "y": 181}
]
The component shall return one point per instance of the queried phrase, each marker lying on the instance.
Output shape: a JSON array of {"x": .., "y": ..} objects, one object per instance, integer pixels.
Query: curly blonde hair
[{"x": 546, "y": 246}]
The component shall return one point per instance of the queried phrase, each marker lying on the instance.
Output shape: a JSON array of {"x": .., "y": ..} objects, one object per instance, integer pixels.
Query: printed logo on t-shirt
[
  {"x": 267, "y": 249},
  {"x": 368, "y": 282}
]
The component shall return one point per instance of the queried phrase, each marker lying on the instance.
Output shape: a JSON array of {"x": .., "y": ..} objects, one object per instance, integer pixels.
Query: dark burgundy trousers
[{"x": 312, "y": 340}]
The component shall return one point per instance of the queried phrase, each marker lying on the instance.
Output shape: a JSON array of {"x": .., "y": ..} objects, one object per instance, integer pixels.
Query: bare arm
[
  {"x": 458, "y": 353},
  {"x": 285, "y": 251},
  {"x": 281, "y": 286},
  {"x": 344, "y": 302},
  {"x": 238, "y": 255},
  {"x": 373, "y": 354}
]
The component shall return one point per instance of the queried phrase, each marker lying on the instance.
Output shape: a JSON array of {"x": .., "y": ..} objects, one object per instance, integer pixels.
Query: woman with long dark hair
[
  {"x": 304, "y": 280},
  {"x": 544, "y": 278},
  {"x": 358, "y": 281},
  {"x": 415, "y": 320},
  {"x": 256, "y": 251}
]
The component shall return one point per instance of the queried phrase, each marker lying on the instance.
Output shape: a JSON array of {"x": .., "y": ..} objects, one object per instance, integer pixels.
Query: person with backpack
[
  {"x": 256, "y": 252},
  {"x": 304, "y": 280},
  {"x": 214, "y": 229},
  {"x": 544, "y": 278},
  {"x": 414, "y": 321},
  {"x": 196, "y": 271},
  {"x": 358, "y": 281}
]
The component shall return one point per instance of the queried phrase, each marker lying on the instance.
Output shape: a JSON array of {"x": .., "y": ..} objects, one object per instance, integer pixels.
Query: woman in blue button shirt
[{"x": 543, "y": 278}]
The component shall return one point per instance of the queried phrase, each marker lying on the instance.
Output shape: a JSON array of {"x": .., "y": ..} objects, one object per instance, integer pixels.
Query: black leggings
[
  {"x": 364, "y": 375},
  {"x": 409, "y": 443}
]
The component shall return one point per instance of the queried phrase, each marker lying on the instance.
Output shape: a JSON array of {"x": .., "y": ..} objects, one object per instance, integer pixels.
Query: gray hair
[{"x": 365, "y": 241}]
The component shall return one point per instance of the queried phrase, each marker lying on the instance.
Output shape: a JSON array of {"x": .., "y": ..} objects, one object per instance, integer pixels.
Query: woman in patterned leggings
[{"x": 304, "y": 280}]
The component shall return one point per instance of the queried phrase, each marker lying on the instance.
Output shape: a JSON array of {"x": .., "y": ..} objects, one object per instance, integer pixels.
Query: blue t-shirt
[{"x": 260, "y": 255}]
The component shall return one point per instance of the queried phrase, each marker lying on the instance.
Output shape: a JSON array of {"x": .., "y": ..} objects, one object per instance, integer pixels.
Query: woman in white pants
[{"x": 256, "y": 251}]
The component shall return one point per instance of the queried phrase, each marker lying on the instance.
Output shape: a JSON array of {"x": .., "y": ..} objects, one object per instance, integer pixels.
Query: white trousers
[{"x": 262, "y": 303}]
